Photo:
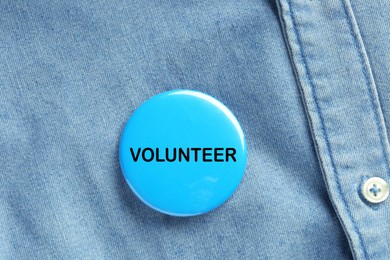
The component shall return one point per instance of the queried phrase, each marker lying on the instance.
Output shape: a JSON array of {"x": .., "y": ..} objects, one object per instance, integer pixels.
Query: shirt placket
[{"x": 342, "y": 105}]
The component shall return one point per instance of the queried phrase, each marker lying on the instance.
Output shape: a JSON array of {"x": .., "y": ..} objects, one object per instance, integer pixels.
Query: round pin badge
[{"x": 183, "y": 153}]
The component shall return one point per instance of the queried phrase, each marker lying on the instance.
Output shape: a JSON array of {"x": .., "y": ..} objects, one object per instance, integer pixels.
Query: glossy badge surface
[{"x": 183, "y": 153}]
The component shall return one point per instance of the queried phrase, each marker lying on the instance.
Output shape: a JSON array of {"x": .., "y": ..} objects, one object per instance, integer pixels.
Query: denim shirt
[{"x": 307, "y": 80}]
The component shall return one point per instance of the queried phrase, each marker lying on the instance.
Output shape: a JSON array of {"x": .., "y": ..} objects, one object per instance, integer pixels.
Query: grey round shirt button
[{"x": 375, "y": 190}]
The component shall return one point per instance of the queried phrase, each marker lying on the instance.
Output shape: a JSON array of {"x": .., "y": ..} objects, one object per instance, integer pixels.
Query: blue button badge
[{"x": 183, "y": 153}]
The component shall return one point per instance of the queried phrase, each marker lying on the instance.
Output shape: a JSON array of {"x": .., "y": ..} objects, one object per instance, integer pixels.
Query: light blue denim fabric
[
  {"x": 344, "y": 110},
  {"x": 72, "y": 72}
]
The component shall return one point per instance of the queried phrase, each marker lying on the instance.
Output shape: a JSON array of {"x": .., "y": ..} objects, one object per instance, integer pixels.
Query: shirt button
[{"x": 375, "y": 190}]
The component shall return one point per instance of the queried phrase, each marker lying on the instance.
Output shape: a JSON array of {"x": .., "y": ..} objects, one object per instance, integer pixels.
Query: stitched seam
[
  {"x": 311, "y": 124},
  {"x": 369, "y": 86},
  {"x": 325, "y": 134}
]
